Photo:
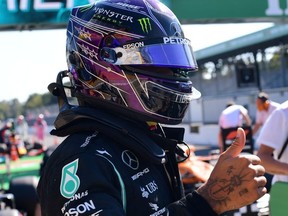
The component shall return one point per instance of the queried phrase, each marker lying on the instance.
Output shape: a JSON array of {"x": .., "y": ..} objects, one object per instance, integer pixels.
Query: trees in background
[{"x": 13, "y": 108}]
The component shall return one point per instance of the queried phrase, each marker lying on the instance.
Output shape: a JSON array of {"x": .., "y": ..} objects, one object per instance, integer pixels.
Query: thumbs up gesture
[{"x": 236, "y": 180}]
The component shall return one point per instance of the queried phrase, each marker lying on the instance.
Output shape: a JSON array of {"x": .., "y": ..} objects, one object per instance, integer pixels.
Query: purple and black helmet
[{"x": 131, "y": 57}]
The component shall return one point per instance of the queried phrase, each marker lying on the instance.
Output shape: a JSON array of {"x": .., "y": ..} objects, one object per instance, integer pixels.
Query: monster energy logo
[
  {"x": 145, "y": 24},
  {"x": 85, "y": 8}
]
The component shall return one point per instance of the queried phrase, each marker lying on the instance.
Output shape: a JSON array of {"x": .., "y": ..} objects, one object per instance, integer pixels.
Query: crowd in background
[{"x": 17, "y": 131}]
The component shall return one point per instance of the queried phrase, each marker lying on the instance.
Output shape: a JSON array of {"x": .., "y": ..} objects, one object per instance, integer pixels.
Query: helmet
[{"x": 130, "y": 57}]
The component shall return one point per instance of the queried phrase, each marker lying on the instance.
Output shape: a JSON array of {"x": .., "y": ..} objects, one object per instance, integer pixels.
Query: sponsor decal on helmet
[
  {"x": 175, "y": 26},
  {"x": 134, "y": 45},
  {"x": 70, "y": 182},
  {"x": 107, "y": 19},
  {"x": 85, "y": 7},
  {"x": 110, "y": 15},
  {"x": 145, "y": 24},
  {"x": 129, "y": 6},
  {"x": 175, "y": 40}
]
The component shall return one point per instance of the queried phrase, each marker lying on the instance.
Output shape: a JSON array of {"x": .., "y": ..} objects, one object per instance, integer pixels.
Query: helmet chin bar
[
  {"x": 124, "y": 112},
  {"x": 60, "y": 90}
]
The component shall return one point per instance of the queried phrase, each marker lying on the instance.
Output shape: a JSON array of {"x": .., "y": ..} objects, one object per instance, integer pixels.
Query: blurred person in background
[
  {"x": 265, "y": 107},
  {"x": 21, "y": 129},
  {"x": 6, "y": 128},
  {"x": 232, "y": 116},
  {"x": 271, "y": 141},
  {"x": 40, "y": 128},
  {"x": 5, "y": 134}
]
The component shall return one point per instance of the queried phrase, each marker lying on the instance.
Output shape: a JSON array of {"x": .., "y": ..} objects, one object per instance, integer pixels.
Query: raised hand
[{"x": 236, "y": 180}]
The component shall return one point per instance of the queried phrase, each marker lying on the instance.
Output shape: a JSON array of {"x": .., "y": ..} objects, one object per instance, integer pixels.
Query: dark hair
[
  {"x": 263, "y": 96},
  {"x": 230, "y": 103}
]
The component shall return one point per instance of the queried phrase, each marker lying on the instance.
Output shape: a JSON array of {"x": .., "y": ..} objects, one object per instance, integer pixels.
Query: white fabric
[
  {"x": 261, "y": 116},
  {"x": 274, "y": 133},
  {"x": 232, "y": 116}
]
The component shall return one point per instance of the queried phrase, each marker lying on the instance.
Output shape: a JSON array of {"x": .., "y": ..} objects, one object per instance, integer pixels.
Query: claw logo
[{"x": 145, "y": 24}]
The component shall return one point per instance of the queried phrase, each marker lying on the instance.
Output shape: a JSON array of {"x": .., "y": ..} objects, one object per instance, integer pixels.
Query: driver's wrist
[{"x": 203, "y": 191}]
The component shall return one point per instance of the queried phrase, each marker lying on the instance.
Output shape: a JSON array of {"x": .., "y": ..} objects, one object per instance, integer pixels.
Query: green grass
[{"x": 25, "y": 166}]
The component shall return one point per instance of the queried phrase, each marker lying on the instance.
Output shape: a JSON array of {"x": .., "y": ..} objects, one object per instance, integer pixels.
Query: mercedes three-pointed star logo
[{"x": 130, "y": 159}]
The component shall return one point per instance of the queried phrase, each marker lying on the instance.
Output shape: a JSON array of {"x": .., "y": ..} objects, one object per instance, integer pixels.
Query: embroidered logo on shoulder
[
  {"x": 70, "y": 182},
  {"x": 88, "y": 138},
  {"x": 103, "y": 152}
]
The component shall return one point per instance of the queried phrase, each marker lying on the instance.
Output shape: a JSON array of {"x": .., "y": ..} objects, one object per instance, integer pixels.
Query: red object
[{"x": 14, "y": 154}]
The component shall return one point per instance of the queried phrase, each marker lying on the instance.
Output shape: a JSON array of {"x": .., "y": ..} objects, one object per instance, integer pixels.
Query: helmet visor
[{"x": 168, "y": 52}]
